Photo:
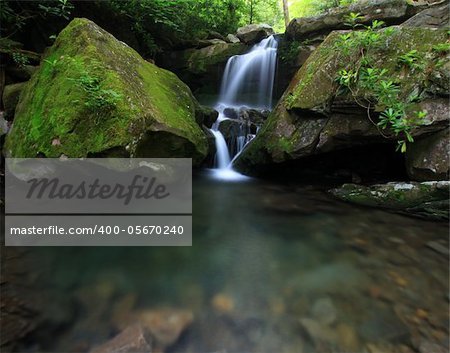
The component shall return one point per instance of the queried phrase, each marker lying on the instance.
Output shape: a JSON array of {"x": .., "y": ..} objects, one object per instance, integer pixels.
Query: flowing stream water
[{"x": 247, "y": 83}]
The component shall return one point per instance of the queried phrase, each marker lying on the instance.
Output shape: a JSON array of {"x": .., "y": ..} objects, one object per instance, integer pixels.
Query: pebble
[
  {"x": 324, "y": 311},
  {"x": 165, "y": 325},
  {"x": 222, "y": 303}
]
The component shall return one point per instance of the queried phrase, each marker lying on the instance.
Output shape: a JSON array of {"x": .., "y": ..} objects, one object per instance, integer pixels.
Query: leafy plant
[
  {"x": 412, "y": 59},
  {"x": 20, "y": 59},
  {"x": 374, "y": 84},
  {"x": 441, "y": 47},
  {"x": 62, "y": 9},
  {"x": 352, "y": 19}
]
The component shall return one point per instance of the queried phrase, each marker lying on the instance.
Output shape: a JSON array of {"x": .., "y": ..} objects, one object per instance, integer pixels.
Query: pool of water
[{"x": 273, "y": 268}]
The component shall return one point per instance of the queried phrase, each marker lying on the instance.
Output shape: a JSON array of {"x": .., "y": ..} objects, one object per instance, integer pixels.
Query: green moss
[{"x": 52, "y": 118}]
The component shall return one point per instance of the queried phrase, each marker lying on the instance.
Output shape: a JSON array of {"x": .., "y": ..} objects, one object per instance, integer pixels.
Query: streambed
[{"x": 273, "y": 268}]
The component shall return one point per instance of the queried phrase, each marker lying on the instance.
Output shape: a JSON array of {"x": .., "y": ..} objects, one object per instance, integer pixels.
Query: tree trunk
[
  {"x": 286, "y": 12},
  {"x": 251, "y": 11}
]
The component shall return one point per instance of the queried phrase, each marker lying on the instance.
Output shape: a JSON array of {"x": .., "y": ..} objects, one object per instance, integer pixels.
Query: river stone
[
  {"x": 428, "y": 157},
  {"x": 165, "y": 325},
  {"x": 152, "y": 114},
  {"x": 311, "y": 118},
  {"x": 130, "y": 340},
  {"x": 254, "y": 33},
  {"x": 393, "y": 12},
  {"x": 324, "y": 311},
  {"x": 206, "y": 116},
  {"x": 11, "y": 94},
  {"x": 426, "y": 199}
]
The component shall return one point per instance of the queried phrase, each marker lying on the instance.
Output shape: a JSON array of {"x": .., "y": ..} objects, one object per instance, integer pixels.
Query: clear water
[{"x": 265, "y": 258}]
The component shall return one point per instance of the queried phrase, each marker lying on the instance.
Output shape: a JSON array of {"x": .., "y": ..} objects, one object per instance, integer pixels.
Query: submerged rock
[
  {"x": 165, "y": 325},
  {"x": 427, "y": 199},
  {"x": 98, "y": 97},
  {"x": 254, "y": 33},
  {"x": 130, "y": 340}
]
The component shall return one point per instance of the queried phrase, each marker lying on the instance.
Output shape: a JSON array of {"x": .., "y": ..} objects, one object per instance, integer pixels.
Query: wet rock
[
  {"x": 206, "y": 116},
  {"x": 231, "y": 38},
  {"x": 427, "y": 199},
  {"x": 253, "y": 116},
  {"x": 11, "y": 94},
  {"x": 438, "y": 247},
  {"x": 130, "y": 340},
  {"x": 165, "y": 325},
  {"x": 324, "y": 311},
  {"x": 231, "y": 113},
  {"x": 429, "y": 347},
  {"x": 428, "y": 157},
  {"x": 254, "y": 33},
  {"x": 347, "y": 337},
  {"x": 223, "y": 303},
  {"x": 319, "y": 334}
]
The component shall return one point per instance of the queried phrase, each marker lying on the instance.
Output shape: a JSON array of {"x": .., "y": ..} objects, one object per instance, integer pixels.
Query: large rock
[
  {"x": 427, "y": 199},
  {"x": 434, "y": 17},
  {"x": 393, "y": 12},
  {"x": 254, "y": 33},
  {"x": 11, "y": 94},
  {"x": 312, "y": 117},
  {"x": 96, "y": 96},
  {"x": 202, "y": 67},
  {"x": 428, "y": 157}
]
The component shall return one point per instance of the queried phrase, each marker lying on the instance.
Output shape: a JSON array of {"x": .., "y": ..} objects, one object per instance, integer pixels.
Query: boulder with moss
[
  {"x": 315, "y": 115},
  {"x": 202, "y": 67},
  {"x": 427, "y": 199},
  {"x": 95, "y": 96},
  {"x": 393, "y": 12}
]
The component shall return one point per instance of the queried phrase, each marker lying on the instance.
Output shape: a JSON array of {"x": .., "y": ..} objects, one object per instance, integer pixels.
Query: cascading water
[{"x": 247, "y": 83}]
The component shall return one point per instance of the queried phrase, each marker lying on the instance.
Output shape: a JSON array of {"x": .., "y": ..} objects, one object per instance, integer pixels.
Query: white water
[{"x": 247, "y": 82}]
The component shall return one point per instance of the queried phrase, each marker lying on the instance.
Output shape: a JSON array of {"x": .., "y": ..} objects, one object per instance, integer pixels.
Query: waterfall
[{"x": 247, "y": 83}]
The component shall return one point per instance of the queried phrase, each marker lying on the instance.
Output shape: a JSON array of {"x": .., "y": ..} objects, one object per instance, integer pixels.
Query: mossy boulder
[
  {"x": 427, "y": 199},
  {"x": 95, "y": 96},
  {"x": 202, "y": 68},
  {"x": 393, "y": 12},
  {"x": 313, "y": 116}
]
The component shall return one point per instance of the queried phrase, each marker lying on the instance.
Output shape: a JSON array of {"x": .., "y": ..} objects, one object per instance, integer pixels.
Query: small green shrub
[{"x": 20, "y": 59}]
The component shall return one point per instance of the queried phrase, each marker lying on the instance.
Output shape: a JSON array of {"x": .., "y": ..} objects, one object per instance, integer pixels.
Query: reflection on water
[{"x": 271, "y": 269}]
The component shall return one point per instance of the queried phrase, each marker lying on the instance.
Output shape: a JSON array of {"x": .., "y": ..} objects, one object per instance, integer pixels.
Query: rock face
[
  {"x": 435, "y": 17},
  {"x": 202, "y": 67},
  {"x": 253, "y": 33},
  {"x": 427, "y": 199},
  {"x": 98, "y": 97},
  {"x": 393, "y": 12},
  {"x": 313, "y": 117},
  {"x": 428, "y": 157}
]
